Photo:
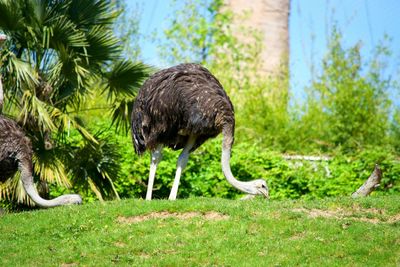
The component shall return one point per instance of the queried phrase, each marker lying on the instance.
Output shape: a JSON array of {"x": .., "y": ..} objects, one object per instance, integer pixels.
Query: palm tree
[{"x": 58, "y": 54}]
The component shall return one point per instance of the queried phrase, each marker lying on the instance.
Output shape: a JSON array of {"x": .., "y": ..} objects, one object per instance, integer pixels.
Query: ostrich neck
[
  {"x": 226, "y": 169},
  {"x": 27, "y": 182}
]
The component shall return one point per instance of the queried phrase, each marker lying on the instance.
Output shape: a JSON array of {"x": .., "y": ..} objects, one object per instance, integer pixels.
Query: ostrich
[
  {"x": 16, "y": 154},
  {"x": 182, "y": 107}
]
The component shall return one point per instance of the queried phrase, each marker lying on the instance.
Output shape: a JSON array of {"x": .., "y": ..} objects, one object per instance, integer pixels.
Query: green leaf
[{"x": 125, "y": 78}]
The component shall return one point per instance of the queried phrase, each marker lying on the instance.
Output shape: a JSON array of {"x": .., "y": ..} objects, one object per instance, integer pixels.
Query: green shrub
[
  {"x": 203, "y": 176},
  {"x": 348, "y": 103}
]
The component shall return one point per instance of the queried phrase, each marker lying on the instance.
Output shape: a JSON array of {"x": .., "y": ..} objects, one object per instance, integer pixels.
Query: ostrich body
[
  {"x": 182, "y": 107},
  {"x": 16, "y": 154}
]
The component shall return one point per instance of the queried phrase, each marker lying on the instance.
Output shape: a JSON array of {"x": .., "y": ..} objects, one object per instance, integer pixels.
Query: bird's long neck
[
  {"x": 225, "y": 162},
  {"x": 27, "y": 181}
]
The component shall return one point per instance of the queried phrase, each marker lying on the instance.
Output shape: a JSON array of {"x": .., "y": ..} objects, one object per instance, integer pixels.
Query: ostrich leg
[
  {"x": 181, "y": 164},
  {"x": 156, "y": 156}
]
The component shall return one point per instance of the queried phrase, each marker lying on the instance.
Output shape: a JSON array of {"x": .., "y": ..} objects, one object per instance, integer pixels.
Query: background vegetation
[{"x": 348, "y": 113}]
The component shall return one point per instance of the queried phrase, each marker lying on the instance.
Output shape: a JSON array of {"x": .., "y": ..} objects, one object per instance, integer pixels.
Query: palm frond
[
  {"x": 103, "y": 45},
  {"x": 64, "y": 33},
  {"x": 53, "y": 72},
  {"x": 74, "y": 67},
  {"x": 8, "y": 188},
  {"x": 32, "y": 106},
  {"x": 49, "y": 167},
  {"x": 33, "y": 12},
  {"x": 96, "y": 165},
  {"x": 13, "y": 190},
  {"x": 125, "y": 78},
  {"x": 91, "y": 12},
  {"x": 50, "y": 118},
  {"x": 11, "y": 17},
  {"x": 67, "y": 121},
  {"x": 20, "y": 194},
  {"x": 24, "y": 75},
  {"x": 121, "y": 114}
]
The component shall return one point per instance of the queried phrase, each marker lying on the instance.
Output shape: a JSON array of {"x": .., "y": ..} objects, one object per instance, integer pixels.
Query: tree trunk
[{"x": 271, "y": 19}]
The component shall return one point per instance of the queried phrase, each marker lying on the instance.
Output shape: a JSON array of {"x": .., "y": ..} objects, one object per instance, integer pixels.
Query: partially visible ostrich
[
  {"x": 16, "y": 154},
  {"x": 182, "y": 107}
]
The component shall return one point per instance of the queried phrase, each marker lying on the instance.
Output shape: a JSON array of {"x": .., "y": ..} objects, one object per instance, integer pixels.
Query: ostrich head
[
  {"x": 69, "y": 199},
  {"x": 256, "y": 187},
  {"x": 261, "y": 188}
]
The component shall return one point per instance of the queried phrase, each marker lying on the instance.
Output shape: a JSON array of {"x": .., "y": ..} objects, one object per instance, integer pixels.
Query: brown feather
[{"x": 14, "y": 148}]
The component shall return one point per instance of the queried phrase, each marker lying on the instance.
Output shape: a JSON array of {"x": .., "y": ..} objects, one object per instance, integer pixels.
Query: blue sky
[{"x": 310, "y": 21}]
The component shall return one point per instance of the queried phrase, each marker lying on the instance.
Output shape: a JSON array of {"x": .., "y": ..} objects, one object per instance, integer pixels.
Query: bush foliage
[{"x": 340, "y": 176}]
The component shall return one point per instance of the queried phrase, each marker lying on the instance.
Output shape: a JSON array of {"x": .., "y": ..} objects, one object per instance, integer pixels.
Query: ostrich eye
[{"x": 263, "y": 186}]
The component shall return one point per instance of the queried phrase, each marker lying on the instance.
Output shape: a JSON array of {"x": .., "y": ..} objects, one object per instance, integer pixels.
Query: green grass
[{"x": 364, "y": 232}]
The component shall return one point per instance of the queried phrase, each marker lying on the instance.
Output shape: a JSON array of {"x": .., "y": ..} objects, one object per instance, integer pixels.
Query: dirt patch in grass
[
  {"x": 119, "y": 244},
  {"x": 394, "y": 219},
  {"x": 357, "y": 215},
  {"x": 210, "y": 215},
  {"x": 298, "y": 236}
]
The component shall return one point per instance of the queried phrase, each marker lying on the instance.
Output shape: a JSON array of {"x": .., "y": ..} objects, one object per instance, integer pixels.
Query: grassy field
[{"x": 206, "y": 232}]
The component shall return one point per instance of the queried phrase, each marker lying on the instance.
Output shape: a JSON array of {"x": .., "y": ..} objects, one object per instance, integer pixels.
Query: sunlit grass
[{"x": 330, "y": 232}]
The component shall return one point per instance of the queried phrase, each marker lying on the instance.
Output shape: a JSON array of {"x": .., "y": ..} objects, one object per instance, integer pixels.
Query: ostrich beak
[{"x": 264, "y": 192}]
